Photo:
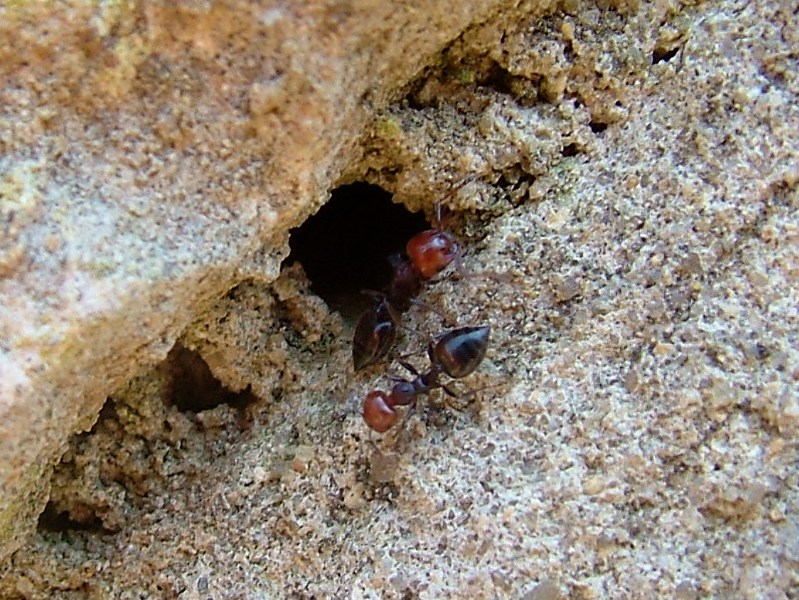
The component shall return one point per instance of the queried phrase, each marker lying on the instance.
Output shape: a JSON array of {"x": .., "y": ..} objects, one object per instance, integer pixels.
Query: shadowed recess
[
  {"x": 344, "y": 248},
  {"x": 664, "y": 54},
  {"x": 80, "y": 517},
  {"x": 193, "y": 387}
]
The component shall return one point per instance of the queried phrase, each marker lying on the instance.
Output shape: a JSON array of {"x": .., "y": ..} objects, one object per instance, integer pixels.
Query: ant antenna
[
  {"x": 463, "y": 183},
  {"x": 439, "y": 216},
  {"x": 464, "y": 399}
]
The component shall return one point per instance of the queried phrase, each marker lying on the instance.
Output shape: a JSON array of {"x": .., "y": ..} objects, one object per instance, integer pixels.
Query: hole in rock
[
  {"x": 570, "y": 150},
  {"x": 664, "y": 54},
  {"x": 344, "y": 248},
  {"x": 500, "y": 79},
  {"x": 79, "y": 518},
  {"x": 193, "y": 387}
]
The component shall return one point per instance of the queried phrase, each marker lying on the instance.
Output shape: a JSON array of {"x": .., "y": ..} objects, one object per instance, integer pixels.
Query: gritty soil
[{"x": 624, "y": 185}]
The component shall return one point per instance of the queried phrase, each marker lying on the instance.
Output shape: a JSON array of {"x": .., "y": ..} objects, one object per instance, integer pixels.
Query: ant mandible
[
  {"x": 457, "y": 353},
  {"x": 428, "y": 254}
]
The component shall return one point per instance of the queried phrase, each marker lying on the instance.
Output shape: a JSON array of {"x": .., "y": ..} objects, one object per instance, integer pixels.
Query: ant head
[
  {"x": 378, "y": 412},
  {"x": 432, "y": 251}
]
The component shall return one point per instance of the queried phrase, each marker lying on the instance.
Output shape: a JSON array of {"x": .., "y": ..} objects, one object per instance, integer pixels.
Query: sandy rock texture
[
  {"x": 153, "y": 155},
  {"x": 623, "y": 178}
]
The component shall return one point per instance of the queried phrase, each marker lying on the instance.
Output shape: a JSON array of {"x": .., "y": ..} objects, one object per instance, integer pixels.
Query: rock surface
[
  {"x": 154, "y": 155},
  {"x": 630, "y": 173}
]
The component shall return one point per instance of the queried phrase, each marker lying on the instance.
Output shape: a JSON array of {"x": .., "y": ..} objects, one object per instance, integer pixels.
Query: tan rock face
[
  {"x": 623, "y": 179},
  {"x": 152, "y": 156}
]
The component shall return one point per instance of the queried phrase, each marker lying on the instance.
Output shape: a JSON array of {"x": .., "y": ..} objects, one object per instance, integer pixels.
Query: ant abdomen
[
  {"x": 374, "y": 334},
  {"x": 460, "y": 351}
]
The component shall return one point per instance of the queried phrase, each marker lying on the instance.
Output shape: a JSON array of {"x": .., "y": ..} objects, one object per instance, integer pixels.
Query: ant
[
  {"x": 457, "y": 353},
  {"x": 428, "y": 254}
]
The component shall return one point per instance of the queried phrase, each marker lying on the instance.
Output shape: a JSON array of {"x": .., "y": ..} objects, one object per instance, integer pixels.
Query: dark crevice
[
  {"x": 499, "y": 79},
  {"x": 664, "y": 54},
  {"x": 412, "y": 98},
  {"x": 526, "y": 91},
  {"x": 570, "y": 150},
  {"x": 193, "y": 388},
  {"x": 82, "y": 518},
  {"x": 344, "y": 248},
  {"x": 598, "y": 126},
  {"x": 515, "y": 184}
]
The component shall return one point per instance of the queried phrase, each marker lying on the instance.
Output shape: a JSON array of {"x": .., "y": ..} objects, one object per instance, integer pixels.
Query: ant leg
[
  {"x": 466, "y": 399},
  {"x": 449, "y": 392},
  {"x": 406, "y": 417},
  {"x": 408, "y": 414},
  {"x": 373, "y": 294},
  {"x": 407, "y": 366},
  {"x": 374, "y": 445},
  {"x": 455, "y": 400},
  {"x": 392, "y": 312},
  {"x": 447, "y": 319},
  {"x": 510, "y": 278}
]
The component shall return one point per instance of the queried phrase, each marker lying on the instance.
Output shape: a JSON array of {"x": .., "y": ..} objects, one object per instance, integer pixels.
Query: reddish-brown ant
[
  {"x": 428, "y": 254},
  {"x": 377, "y": 327},
  {"x": 457, "y": 353}
]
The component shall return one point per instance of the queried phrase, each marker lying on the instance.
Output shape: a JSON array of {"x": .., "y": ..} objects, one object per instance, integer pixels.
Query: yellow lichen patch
[
  {"x": 118, "y": 76},
  {"x": 20, "y": 203},
  {"x": 18, "y": 191},
  {"x": 388, "y": 128},
  {"x": 113, "y": 15}
]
